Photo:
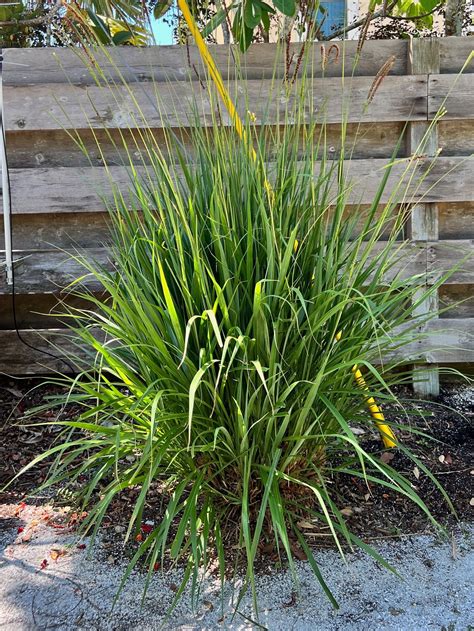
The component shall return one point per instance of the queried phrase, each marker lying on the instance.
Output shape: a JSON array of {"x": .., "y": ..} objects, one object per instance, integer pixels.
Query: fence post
[{"x": 423, "y": 58}]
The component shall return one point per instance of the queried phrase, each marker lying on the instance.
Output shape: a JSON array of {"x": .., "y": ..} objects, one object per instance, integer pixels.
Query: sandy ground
[{"x": 76, "y": 590}]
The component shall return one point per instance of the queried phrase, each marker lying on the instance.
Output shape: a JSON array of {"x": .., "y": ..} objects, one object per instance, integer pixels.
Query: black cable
[{"x": 13, "y": 293}]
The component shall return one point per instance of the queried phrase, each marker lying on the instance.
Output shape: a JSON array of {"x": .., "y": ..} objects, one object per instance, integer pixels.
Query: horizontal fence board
[
  {"x": 51, "y": 270},
  {"x": 453, "y": 53},
  {"x": 443, "y": 256},
  {"x": 65, "y": 190},
  {"x": 55, "y": 148},
  {"x": 456, "y": 137},
  {"x": 171, "y": 63},
  {"x": 92, "y": 230},
  {"x": 38, "y": 311},
  {"x": 456, "y": 220},
  {"x": 48, "y": 231},
  {"x": 181, "y": 104},
  {"x": 453, "y": 92},
  {"x": 20, "y": 359},
  {"x": 459, "y": 299},
  {"x": 448, "y": 342}
]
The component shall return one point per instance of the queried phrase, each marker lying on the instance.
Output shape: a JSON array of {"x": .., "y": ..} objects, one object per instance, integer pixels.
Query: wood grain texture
[
  {"x": 445, "y": 256},
  {"x": 69, "y": 230},
  {"x": 49, "y": 271},
  {"x": 171, "y": 63},
  {"x": 82, "y": 189},
  {"x": 49, "y": 106},
  {"x": 453, "y": 92},
  {"x": 446, "y": 342},
  {"x": 456, "y": 137},
  {"x": 54, "y": 148},
  {"x": 459, "y": 299},
  {"x": 453, "y": 53},
  {"x": 456, "y": 220}
]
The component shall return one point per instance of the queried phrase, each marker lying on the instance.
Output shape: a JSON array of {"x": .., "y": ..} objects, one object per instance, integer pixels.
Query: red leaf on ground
[
  {"x": 147, "y": 528},
  {"x": 20, "y": 529},
  {"x": 156, "y": 566},
  {"x": 81, "y": 546},
  {"x": 44, "y": 564}
]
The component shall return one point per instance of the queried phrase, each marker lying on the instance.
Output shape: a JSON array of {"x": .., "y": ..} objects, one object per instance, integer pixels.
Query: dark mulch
[{"x": 371, "y": 512}]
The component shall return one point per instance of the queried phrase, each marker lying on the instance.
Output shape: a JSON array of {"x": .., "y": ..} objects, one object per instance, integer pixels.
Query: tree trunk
[{"x": 454, "y": 17}]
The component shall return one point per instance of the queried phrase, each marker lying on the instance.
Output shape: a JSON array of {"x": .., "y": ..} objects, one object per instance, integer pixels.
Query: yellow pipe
[
  {"x": 386, "y": 433},
  {"x": 388, "y": 437}
]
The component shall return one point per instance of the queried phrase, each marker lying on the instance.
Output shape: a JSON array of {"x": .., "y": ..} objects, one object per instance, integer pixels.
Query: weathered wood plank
[
  {"x": 453, "y": 53},
  {"x": 19, "y": 359},
  {"x": 456, "y": 137},
  {"x": 456, "y": 220},
  {"x": 171, "y": 63},
  {"x": 459, "y": 299},
  {"x": 70, "y": 230},
  {"x": 49, "y": 271},
  {"x": 38, "y": 311},
  {"x": 453, "y": 92},
  {"x": 179, "y": 104},
  {"x": 443, "y": 256},
  {"x": 89, "y": 230},
  {"x": 55, "y": 148},
  {"x": 423, "y": 220},
  {"x": 76, "y": 190},
  {"x": 448, "y": 341}
]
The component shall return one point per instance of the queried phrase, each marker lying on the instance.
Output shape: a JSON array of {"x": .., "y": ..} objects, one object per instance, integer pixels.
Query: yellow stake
[{"x": 386, "y": 433}]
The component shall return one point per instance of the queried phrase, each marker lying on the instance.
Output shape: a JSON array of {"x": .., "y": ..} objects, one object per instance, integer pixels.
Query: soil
[{"x": 371, "y": 513}]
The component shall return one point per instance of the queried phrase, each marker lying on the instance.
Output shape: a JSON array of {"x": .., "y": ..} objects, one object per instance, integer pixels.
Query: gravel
[{"x": 76, "y": 591}]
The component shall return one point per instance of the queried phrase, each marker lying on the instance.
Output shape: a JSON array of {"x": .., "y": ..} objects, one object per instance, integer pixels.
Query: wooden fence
[{"x": 54, "y": 187}]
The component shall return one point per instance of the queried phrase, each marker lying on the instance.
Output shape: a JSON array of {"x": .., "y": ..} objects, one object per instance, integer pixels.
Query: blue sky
[{"x": 163, "y": 32}]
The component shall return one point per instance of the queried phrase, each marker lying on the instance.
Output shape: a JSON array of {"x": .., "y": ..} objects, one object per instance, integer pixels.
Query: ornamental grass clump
[{"x": 242, "y": 290}]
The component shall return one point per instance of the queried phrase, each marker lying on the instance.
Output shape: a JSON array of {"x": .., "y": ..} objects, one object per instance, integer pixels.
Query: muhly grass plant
[{"x": 214, "y": 367}]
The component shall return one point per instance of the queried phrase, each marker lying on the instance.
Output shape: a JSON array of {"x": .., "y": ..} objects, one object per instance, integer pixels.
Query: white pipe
[{"x": 5, "y": 187}]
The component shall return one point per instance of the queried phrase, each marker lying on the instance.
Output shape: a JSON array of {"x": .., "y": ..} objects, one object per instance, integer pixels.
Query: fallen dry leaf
[
  {"x": 305, "y": 524},
  {"x": 298, "y": 552},
  {"x": 448, "y": 459},
  {"x": 367, "y": 497},
  {"x": 347, "y": 512},
  {"x": 441, "y": 458},
  {"x": 387, "y": 456},
  {"x": 56, "y": 553},
  {"x": 21, "y": 506},
  {"x": 27, "y": 536},
  {"x": 139, "y": 537},
  {"x": 416, "y": 473}
]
